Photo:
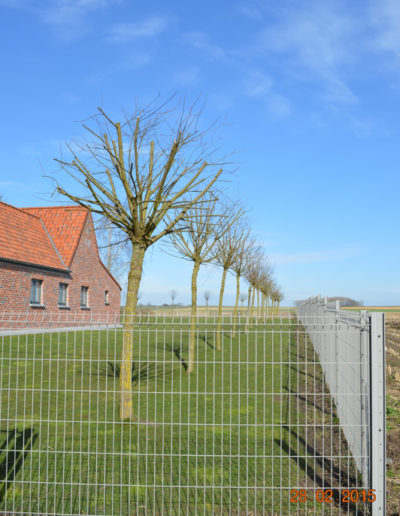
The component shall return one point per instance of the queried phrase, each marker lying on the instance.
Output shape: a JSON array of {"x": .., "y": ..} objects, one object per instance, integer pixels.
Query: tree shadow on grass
[
  {"x": 177, "y": 349},
  {"x": 323, "y": 471},
  {"x": 323, "y": 407},
  {"x": 142, "y": 371},
  {"x": 204, "y": 339},
  {"x": 13, "y": 455}
]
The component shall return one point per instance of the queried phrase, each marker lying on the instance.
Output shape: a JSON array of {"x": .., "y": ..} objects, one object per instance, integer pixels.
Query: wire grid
[
  {"x": 341, "y": 341},
  {"x": 252, "y": 423}
]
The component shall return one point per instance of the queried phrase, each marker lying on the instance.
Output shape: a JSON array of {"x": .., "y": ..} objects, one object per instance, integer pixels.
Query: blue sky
[{"x": 310, "y": 91}]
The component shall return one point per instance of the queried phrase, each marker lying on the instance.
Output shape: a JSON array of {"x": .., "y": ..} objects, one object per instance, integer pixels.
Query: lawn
[{"x": 225, "y": 439}]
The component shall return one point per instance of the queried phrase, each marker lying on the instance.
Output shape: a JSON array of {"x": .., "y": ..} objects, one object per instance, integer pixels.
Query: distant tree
[
  {"x": 242, "y": 298},
  {"x": 245, "y": 248},
  {"x": 255, "y": 260},
  {"x": 205, "y": 224},
  {"x": 227, "y": 249},
  {"x": 172, "y": 294},
  {"x": 346, "y": 301},
  {"x": 207, "y": 296}
]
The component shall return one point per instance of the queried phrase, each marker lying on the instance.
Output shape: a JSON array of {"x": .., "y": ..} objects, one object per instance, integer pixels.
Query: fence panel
[
  {"x": 350, "y": 348},
  {"x": 253, "y": 430}
]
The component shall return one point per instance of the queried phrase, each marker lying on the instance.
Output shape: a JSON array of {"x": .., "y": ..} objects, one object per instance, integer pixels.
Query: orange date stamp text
[{"x": 330, "y": 496}]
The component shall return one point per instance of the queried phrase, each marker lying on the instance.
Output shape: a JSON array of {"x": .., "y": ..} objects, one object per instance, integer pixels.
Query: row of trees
[{"x": 156, "y": 175}]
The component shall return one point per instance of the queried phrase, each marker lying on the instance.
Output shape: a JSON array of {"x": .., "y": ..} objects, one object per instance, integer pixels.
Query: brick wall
[{"x": 86, "y": 270}]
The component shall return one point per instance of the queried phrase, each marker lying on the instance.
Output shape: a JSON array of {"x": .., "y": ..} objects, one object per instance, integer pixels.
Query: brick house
[{"x": 50, "y": 264}]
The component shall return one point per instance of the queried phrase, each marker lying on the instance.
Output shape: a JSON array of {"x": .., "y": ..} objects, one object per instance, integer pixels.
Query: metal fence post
[
  {"x": 337, "y": 327},
  {"x": 378, "y": 412}
]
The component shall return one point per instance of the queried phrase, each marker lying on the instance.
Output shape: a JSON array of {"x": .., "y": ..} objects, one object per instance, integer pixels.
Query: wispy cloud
[
  {"x": 68, "y": 17},
  {"x": 126, "y": 32},
  {"x": 188, "y": 76},
  {"x": 257, "y": 84},
  {"x": 260, "y": 86},
  {"x": 316, "y": 43},
  {"x": 61, "y": 12},
  {"x": 202, "y": 41},
  {"x": 385, "y": 18},
  {"x": 250, "y": 11},
  {"x": 16, "y": 185},
  {"x": 333, "y": 255},
  {"x": 279, "y": 106}
]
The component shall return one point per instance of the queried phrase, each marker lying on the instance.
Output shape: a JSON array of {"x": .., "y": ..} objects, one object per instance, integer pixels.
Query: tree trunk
[
  {"x": 193, "y": 325},
  {"x": 221, "y": 298},
  {"x": 258, "y": 303},
  {"x": 235, "y": 313},
  {"x": 253, "y": 297},
  {"x": 248, "y": 309},
  {"x": 134, "y": 277}
]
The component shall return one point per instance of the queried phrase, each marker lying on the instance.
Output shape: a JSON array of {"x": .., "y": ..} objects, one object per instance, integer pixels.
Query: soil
[
  {"x": 392, "y": 328},
  {"x": 393, "y": 412}
]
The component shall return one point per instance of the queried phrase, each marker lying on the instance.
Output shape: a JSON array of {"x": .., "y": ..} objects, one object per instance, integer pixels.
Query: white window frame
[
  {"x": 36, "y": 292},
  {"x": 84, "y": 296},
  {"x": 63, "y": 288}
]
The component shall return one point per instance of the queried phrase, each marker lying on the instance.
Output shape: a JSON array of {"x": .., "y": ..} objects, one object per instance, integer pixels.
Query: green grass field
[{"x": 222, "y": 440}]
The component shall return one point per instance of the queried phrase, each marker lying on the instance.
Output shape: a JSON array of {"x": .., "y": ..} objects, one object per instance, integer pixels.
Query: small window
[
  {"x": 106, "y": 301},
  {"x": 84, "y": 297},
  {"x": 36, "y": 292},
  {"x": 62, "y": 294}
]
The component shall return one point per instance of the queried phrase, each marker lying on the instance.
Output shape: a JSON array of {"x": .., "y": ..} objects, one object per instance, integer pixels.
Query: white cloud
[
  {"x": 333, "y": 255},
  {"x": 13, "y": 186},
  {"x": 257, "y": 84},
  {"x": 188, "y": 76},
  {"x": 68, "y": 17},
  {"x": 385, "y": 17},
  {"x": 316, "y": 43},
  {"x": 67, "y": 12},
  {"x": 250, "y": 11},
  {"x": 134, "y": 61},
  {"x": 126, "y": 32},
  {"x": 202, "y": 41},
  {"x": 279, "y": 106}
]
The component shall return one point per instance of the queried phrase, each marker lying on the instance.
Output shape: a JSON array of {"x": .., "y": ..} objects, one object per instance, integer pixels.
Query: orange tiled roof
[
  {"x": 65, "y": 225},
  {"x": 23, "y": 237}
]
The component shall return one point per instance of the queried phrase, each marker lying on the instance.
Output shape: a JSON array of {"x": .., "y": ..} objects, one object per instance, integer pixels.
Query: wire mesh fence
[
  {"x": 350, "y": 350},
  {"x": 253, "y": 429}
]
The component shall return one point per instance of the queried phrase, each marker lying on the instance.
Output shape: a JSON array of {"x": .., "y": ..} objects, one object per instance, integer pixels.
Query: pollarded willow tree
[
  {"x": 204, "y": 225},
  {"x": 276, "y": 298},
  {"x": 227, "y": 249},
  {"x": 143, "y": 174},
  {"x": 258, "y": 274},
  {"x": 238, "y": 266}
]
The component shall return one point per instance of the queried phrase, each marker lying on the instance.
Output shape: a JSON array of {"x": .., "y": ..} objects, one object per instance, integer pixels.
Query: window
[
  {"x": 84, "y": 297},
  {"x": 36, "y": 292},
  {"x": 62, "y": 294},
  {"x": 106, "y": 301}
]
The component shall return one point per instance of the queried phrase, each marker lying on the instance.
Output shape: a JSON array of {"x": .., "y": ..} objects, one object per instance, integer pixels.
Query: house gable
[
  {"x": 65, "y": 225},
  {"x": 25, "y": 239},
  {"x": 87, "y": 253},
  {"x": 36, "y": 244},
  {"x": 88, "y": 271}
]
